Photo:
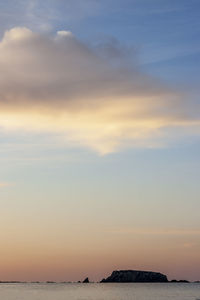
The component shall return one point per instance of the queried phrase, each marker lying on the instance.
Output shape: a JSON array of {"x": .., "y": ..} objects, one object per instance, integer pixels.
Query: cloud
[
  {"x": 162, "y": 231},
  {"x": 4, "y": 184},
  {"x": 59, "y": 84}
]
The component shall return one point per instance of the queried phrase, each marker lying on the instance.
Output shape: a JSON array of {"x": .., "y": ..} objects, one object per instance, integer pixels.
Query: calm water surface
[{"x": 95, "y": 291}]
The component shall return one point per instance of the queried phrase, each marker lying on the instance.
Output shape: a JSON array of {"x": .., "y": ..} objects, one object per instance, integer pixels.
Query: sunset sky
[{"x": 99, "y": 138}]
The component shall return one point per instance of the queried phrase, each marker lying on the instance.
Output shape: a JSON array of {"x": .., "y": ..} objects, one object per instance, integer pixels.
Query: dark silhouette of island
[
  {"x": 118, "y": 276},
  {"x": 181, "y": 281},
  {"x": 135, "y": 276}
]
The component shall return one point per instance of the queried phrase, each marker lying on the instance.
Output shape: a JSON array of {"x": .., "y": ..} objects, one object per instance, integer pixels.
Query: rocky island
[{"x": 135, "y": 276}]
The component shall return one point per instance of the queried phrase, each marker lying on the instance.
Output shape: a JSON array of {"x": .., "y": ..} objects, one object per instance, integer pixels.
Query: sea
[{"x": 100, "y": 291}]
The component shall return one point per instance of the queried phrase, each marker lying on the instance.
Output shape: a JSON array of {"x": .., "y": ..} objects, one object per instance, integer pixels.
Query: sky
[{"x": 99, "y": 138}]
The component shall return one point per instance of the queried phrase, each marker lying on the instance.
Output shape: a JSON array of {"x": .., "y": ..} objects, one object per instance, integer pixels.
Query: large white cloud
[{"x": 60, "y": 84}]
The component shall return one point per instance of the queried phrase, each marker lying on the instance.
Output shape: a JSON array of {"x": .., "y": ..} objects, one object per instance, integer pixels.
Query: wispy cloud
[
  {"x": 46, "y": 15},
  {"x": 5, "y": 184},
  {"x": 58, "y": 84},
  {"x": 156, "y": 231}
]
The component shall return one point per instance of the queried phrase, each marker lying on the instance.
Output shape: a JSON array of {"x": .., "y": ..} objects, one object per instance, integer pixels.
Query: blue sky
[{"x": 125, "y": 177}]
